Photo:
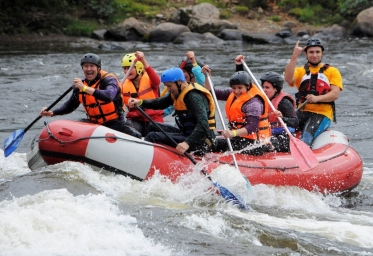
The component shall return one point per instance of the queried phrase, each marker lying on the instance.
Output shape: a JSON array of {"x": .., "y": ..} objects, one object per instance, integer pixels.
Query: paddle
[
  {"x": 225, "y": 193},
  {"x": 129, "y": 70},
  {"x": 248, "y": 185},
  {"x": 221, "y": 118},
  {"x": 302, "y": 154},
  {"x": 302, "y": 106},
  {"x": 12, "y": 142}
]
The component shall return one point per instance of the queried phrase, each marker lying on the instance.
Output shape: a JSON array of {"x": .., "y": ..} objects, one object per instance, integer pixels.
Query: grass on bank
[{"x": 81, "y": 17}]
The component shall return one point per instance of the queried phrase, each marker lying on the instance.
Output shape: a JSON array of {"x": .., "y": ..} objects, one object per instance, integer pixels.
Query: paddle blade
[
  {"x": 229, "y": 196},
  {"x": 12, "y": 142},
  {"x": 303, "y": 155},
  {"x": 233, "y": 186}
]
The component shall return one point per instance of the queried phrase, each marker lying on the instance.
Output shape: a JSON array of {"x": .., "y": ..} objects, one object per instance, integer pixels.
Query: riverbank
[{"x": 261, "y": 25}]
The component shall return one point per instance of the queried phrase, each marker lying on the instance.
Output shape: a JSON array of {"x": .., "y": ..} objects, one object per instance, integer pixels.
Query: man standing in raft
[
  {"x": 100, "y": 95},
  {"x": 319, "y": 84}
]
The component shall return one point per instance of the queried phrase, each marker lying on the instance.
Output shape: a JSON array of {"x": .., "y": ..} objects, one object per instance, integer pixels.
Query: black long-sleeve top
[{"x": 198, "y": 107}]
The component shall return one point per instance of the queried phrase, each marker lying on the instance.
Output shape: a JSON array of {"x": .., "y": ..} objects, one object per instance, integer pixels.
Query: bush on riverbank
[{"x": 81, "y": 17}]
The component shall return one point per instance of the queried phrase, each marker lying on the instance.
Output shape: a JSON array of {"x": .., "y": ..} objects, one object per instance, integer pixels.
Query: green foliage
[
  {"x": 141, "y": 8},
  {"x": 102, "y": 8},
  {"x": 52, "y": 15},
  {"x": 207, "y": 1},
  {"x": 304, "y": 15},
  {"x": 334, "y": 19},
  {"x": 352, "y": 8},
  {"x": 243, "y": 10},
  {"x": 79, "y": 28},
  {"x": 275, "y": 18},
  {"x": 225, "y": 14},
  {"x": 315, "y": 14}
]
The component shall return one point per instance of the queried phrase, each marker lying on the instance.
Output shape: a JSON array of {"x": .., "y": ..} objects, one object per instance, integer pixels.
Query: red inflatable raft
[{"x": 340, "y": 166}]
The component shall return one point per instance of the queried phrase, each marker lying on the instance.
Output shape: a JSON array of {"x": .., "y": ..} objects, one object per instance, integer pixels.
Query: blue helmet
[{"x": 172, "y": 75}]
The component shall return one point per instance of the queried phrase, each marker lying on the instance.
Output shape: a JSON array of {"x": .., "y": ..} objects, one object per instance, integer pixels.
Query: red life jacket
[
  {"x": 316, "y": 84},
  {"x": 275, "y": 101}
]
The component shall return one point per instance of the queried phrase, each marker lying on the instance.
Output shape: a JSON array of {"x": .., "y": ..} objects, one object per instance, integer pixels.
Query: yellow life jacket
[{"x": 181, "y": 109}]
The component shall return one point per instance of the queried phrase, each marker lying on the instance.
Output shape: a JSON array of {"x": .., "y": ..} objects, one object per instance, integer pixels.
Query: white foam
[{"x": 57, "y": 223}]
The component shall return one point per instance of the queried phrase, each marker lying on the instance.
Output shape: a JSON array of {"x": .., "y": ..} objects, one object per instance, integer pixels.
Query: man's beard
[
  {"x": 175, "y": 94},
  {"x": 314, "y": 64}
]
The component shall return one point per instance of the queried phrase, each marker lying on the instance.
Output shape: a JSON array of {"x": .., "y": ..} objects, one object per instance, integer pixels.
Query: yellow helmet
[{"x": 128, "y": 60}]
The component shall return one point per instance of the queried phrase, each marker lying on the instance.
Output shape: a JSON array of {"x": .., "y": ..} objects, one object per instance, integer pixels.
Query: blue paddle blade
[
  {"x": 229, "y": 196},
  {"x": 12, "y": 142}
]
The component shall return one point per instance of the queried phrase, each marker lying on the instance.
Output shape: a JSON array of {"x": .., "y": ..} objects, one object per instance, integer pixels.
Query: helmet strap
[
  {"x": 274, "y": 95},
  {"x": 178, "y": 87},
  {"x": 191, "y": 75}
]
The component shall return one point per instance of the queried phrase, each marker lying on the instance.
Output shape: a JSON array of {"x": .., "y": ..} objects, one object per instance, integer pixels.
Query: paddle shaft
[
  {"x": 129, "y": 70},
  {"x": 49, "y": 108},
  {"x": 221, "y": 118},
  {"x": 268, "y": 100},
  {"x": 302, "y": 106},
  {"x": 166, "y": 134},
  {"x": 292, "y": 139},
  {"x": 224, "y": 192}
]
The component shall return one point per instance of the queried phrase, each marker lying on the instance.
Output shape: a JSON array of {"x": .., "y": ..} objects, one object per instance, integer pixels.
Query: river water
[{"x": 69, "y": 209}]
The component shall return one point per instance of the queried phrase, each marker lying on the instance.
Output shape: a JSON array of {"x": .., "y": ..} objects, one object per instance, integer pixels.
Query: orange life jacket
[
  {"x": 144, "y": 92},
  {"x": 99, "y": 111},
  {"x": 237, "y": 119}
]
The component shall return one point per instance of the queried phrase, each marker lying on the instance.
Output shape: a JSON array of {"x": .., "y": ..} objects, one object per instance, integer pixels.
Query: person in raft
[
  {"x": 247, "y": 112},
  {"x": 100, "y": 95},
  {"x": 284, "y": 103},
  {"x": 319, "y": 84},
  {"x": 142, "y": 83},
  {"x": 192, "y": 68},
  {"x": 194, "y": 114}
]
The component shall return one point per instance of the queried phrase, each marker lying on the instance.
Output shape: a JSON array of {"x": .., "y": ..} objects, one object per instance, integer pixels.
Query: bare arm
[
  {"x": 329, "y": 97},
  {"x": 289, "y": 70},
  {"x": 206, "y": 70}
]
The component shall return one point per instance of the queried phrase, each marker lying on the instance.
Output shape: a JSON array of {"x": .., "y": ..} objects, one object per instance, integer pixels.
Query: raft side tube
[{"x": 329, "y": 136}]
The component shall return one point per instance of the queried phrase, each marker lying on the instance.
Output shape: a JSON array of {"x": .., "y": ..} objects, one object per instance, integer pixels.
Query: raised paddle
[
  {"x": 302, "y": 153},
  {"x": 221, "y": 118},
  {"x": 224, "y": 192},
  {"x": 248, "y": 185},
  {"x": 12, "y": 142},
  {"x": 129, "y": 70}
]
